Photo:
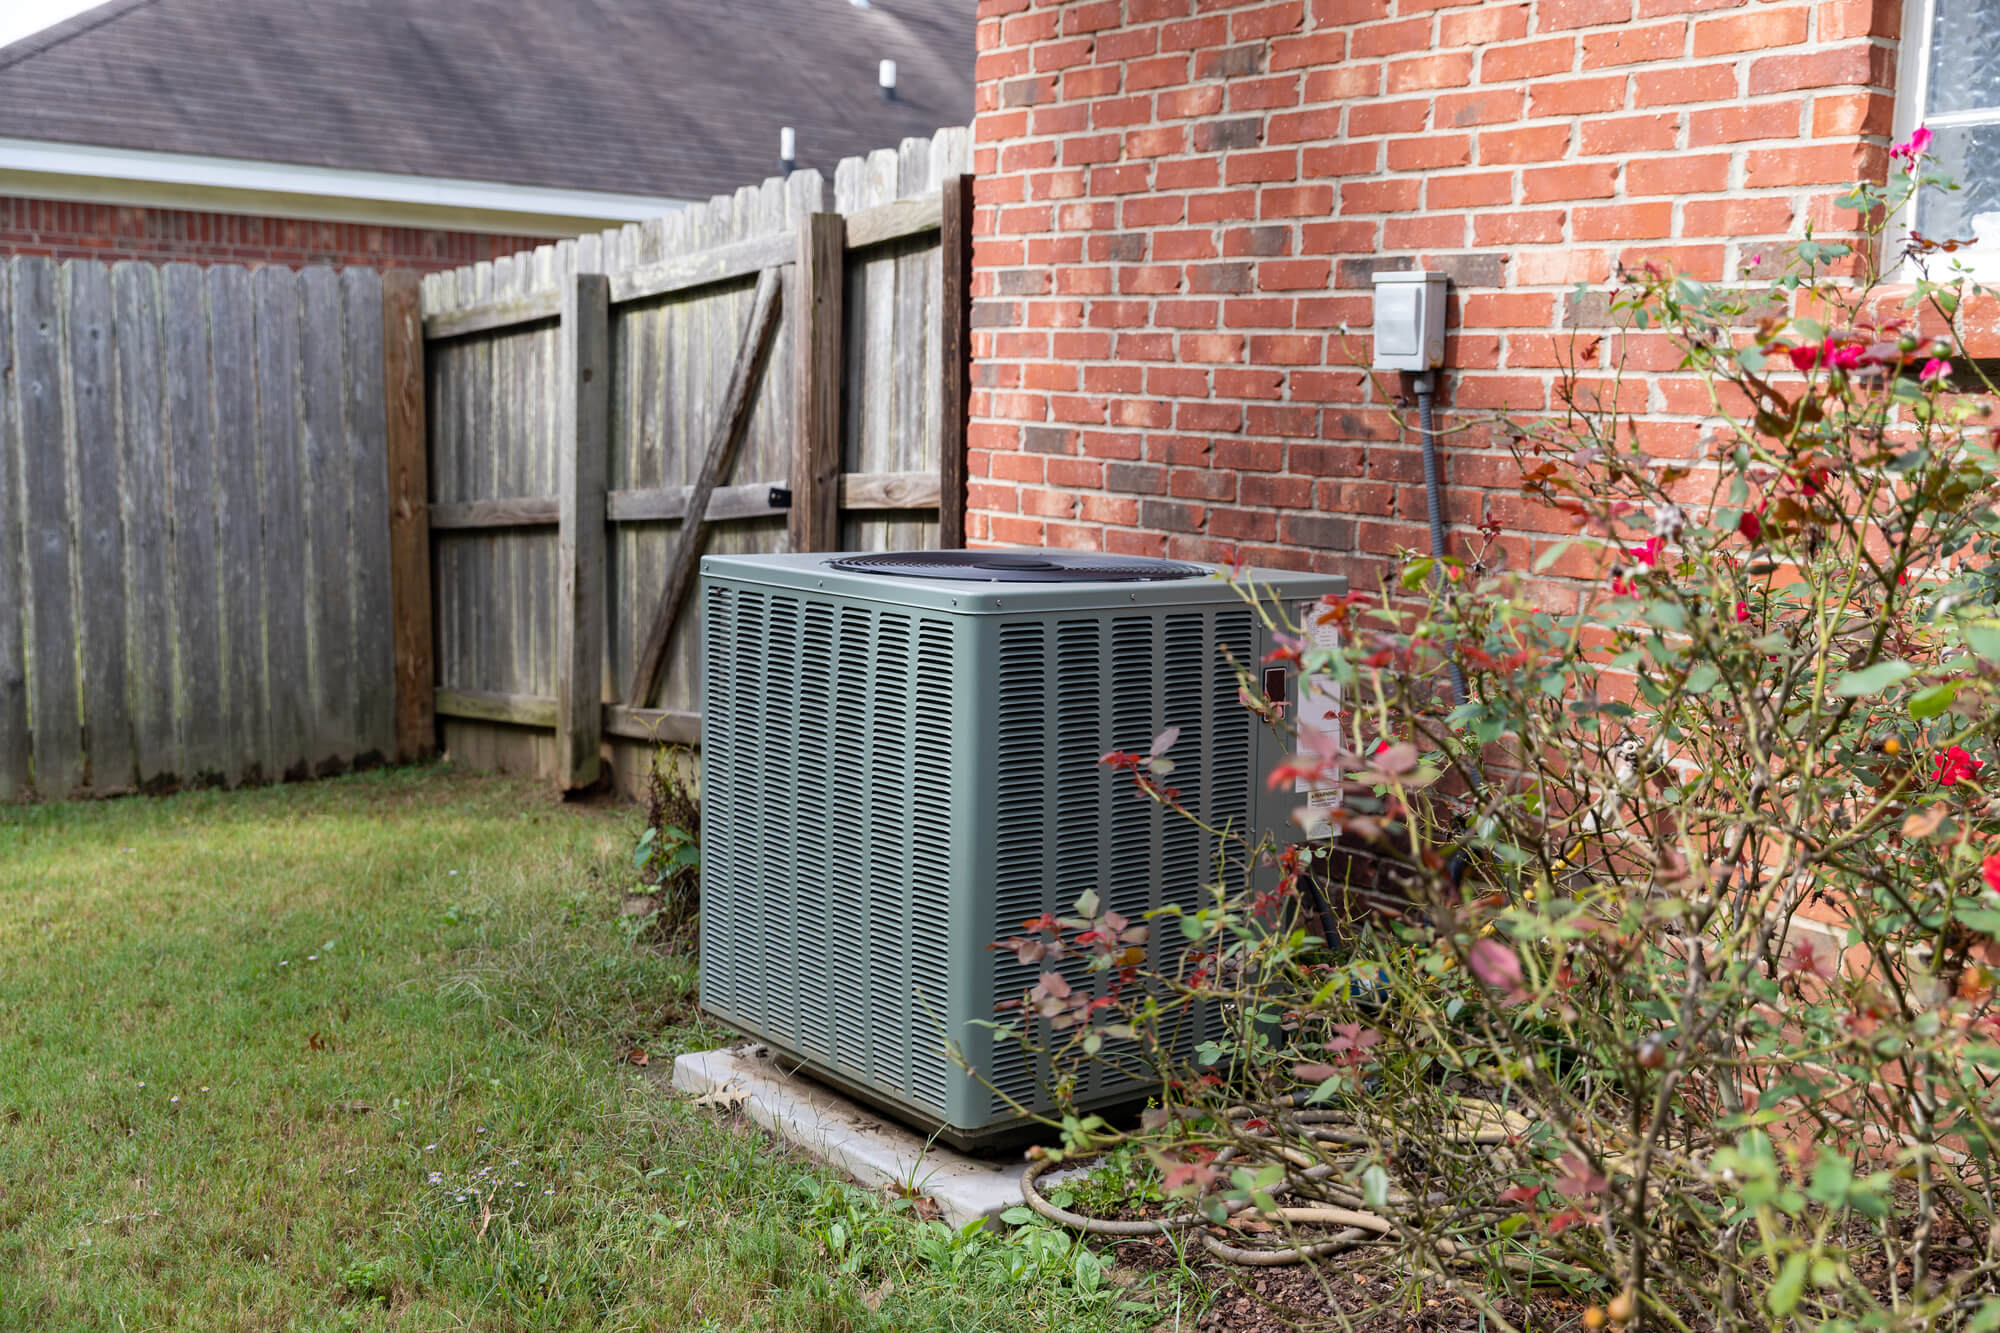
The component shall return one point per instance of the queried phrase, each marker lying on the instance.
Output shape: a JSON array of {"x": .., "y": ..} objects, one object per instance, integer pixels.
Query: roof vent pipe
[
  {"x": 888, "y": 80},
  {"x": 788, "y": 150}
]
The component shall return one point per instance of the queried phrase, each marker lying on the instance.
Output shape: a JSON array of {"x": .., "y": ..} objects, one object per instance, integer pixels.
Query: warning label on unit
[{"x": 1319, "y": 712}]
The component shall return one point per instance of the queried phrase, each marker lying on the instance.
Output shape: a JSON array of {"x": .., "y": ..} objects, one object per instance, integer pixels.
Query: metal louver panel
[
  {"x": 812, "y": 721},
  {"x": 886, "y": 819},
  {"x": 1021, "y": 716},
  {"x": 931, "y": 798},
  {"x": 1082, "y": 793},
  {"x": 1234, "y": 728},
  {"x": 847, "y": 892},
  {"x": 1187, "y": 853},
  {"x": 1135, "y": 820},
  {"x": 772, "y": 897},
  {"x": 1132, "y": 820},
  {"x": 1183, "y": 689},
  {"x": 720, "y": 786}
]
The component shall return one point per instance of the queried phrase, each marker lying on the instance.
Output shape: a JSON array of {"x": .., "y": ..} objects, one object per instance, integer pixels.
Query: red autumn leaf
[
  {"x": 1808, "y": 960},
  {"x": 1580, "y": 1180},
  {"x": 1297, "y": 766},
  {"x": 1288, "y": 650},
  {"x": 1394, "y": 760},
  {"x": 1496, "y": 966},
  {"x": 1564, "y": 1220}
]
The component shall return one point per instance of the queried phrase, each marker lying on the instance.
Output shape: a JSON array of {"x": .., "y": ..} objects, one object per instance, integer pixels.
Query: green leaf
[
  {"x": 1375, "y": 1187},
  {"x": 1416, "y": 572},
  {"x": 1832, "y": 1178},
  {"x": 1872, "y": 679},
  {"x": 1703, "y": 678},
  {"x": 1783, "y": 1297},
  {"x": 1666, "y": 615},
  {"x": 1689, "y": 292},
  {"x": 1985, "y": 920},
  {"x": 1552, "y": 554},
  {"x": 1930, "y": 702},
  {"x": 1984, "y": 640}
]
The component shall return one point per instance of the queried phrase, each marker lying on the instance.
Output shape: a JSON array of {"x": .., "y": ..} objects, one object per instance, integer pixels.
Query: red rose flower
[{"x": 1954, "y": 766}]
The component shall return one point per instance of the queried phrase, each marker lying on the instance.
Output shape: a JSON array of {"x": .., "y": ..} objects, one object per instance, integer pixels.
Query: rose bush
[{"x": 1685, "y": 1006}]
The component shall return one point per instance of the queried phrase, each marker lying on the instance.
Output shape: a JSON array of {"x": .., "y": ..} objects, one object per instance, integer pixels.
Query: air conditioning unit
[{"x": 900, "y": 765}]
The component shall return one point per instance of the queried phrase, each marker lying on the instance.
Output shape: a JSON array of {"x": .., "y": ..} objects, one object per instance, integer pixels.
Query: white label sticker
[{"x": 1319, "y": 710}]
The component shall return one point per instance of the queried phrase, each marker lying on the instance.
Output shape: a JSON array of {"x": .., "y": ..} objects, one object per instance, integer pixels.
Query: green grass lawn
[{"x": 347, "y": 1055}]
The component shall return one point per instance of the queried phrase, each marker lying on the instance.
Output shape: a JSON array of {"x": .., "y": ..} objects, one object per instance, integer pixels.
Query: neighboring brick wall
[
  {"x": 112, "y": 232},
  {"x": 1181, "y": 201}
]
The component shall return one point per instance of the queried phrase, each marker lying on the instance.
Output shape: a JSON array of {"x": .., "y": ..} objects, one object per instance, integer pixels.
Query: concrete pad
[{"x": 846, "y": 1135}]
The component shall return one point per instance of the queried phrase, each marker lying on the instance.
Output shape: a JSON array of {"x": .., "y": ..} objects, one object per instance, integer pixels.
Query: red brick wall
[
  {"x": 113, "y": 232},
  {"x": 1181, "y": 201}
]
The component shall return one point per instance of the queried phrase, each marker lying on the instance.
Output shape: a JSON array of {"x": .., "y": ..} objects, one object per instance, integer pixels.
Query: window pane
[
  {"x": 1970, "y": 155},
  {"x": 1965, "y": 59}
]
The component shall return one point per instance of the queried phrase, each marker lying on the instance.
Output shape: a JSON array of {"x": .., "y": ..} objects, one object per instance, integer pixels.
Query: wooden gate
[{"x": 762, "y": 373}]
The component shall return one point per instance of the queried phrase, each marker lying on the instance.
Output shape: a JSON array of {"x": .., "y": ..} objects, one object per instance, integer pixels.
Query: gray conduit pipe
[{"x": 1434, "y": 502}]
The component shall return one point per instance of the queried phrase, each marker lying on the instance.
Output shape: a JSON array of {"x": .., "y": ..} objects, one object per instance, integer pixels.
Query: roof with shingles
[{"x": 679, "y": 98}]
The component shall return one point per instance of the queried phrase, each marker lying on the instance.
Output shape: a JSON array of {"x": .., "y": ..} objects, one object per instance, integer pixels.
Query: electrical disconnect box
[{"x": 1409, "y": 321}]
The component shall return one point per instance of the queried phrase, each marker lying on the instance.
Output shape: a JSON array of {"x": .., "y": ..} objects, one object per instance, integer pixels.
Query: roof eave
[{"x": 91, "y": 173}]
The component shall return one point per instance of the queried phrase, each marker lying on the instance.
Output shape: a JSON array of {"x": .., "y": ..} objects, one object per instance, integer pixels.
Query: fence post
[
  {"x": 817, "y": 316},
  {"x": 409, "y": 514},
  {"x": 584, "y": 388},
  {"x": 954, "y": 358}
]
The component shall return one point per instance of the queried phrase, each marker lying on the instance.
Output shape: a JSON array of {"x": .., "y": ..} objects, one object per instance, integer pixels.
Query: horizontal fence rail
[{"x": 762, "y": 373}]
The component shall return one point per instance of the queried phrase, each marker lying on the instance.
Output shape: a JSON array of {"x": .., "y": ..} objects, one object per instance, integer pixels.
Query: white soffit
[{"x": 90, "y": 173}]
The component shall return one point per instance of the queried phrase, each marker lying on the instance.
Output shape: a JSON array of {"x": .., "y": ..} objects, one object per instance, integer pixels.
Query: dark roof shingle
[{"x": 660, "y": 97}]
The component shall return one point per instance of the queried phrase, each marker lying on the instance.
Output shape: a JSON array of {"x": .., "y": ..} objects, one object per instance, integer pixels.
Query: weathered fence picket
[
  {"x": 845, "y": 431},
  {"x": 195, "y": 578}
]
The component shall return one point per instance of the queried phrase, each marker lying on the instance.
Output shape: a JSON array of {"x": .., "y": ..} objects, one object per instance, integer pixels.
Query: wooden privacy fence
[
  {"x": 758, "y": 374},
  {"x": 195, "y": 562}
]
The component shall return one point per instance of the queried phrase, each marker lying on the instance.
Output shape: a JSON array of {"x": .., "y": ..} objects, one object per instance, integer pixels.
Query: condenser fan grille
[{"x": 1019, "y": 566}]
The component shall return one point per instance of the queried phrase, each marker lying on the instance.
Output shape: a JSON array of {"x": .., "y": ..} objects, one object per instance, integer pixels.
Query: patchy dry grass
[{"x": 345, "y": 1055}]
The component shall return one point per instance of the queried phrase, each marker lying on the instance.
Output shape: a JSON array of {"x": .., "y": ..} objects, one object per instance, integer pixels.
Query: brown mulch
[
  {"x": 1355, "y": 1291},
  {"x": 1362, "y": 1291}
]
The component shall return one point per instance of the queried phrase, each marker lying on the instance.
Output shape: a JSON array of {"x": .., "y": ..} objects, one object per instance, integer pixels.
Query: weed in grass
[{"x": 1122, "y": 1179}]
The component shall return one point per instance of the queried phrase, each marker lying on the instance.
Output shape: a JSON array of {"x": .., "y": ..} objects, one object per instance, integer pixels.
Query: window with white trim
[{"x": 1949, "y": 83}]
